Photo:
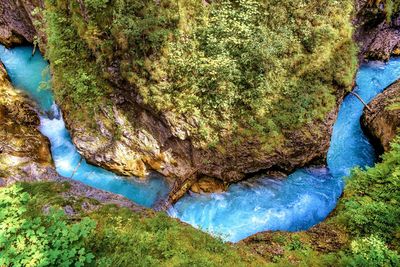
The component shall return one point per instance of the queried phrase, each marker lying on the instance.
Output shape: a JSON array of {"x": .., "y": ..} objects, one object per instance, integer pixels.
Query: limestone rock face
[
  {"x": 118, "y": 144},
  {"x": 377, "y": 38},
  {"x": 24, "y": 151},
  {"x": 20, "y": 23},
  {"x": 383, "y": 121}
]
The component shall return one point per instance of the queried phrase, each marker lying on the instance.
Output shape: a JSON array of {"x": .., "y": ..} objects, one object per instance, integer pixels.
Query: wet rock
[
  {"x": 209, "y": 185},
  {"x": 382, "y": 121}
]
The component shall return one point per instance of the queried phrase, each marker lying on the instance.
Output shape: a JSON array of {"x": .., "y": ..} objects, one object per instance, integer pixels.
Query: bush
[
  {"x": 371, "y": 251},
  {"x": 41, "y": 240},
  {"x": 371, "y": 200},
  {"x": 219, "y": 68}
]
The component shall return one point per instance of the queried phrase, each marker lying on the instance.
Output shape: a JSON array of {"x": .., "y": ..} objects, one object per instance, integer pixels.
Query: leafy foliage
[
  {"x": 39, "y": 240},
  {"x": 214, "y": 69},
  {"x": 371, "y": 251},
  {"x": 35, "y": 232},
  {"x": 370, "y": 204}
]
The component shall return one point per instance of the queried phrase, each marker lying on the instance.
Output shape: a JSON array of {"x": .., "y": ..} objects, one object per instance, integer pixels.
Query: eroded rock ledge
[
  {"x": 382, "y": 121},
  {"x": 20, "y": 24},
  {"x": 24, "y": 151}
]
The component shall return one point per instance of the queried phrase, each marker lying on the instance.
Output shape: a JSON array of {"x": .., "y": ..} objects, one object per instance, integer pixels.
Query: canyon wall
[{"x": 129, "y": 136}]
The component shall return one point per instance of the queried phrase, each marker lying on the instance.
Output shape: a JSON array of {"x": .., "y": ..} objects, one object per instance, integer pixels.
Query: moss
[{"x": 263, "y": 66}]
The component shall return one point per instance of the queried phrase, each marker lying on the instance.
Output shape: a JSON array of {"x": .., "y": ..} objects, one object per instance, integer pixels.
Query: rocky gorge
[
  {"x": 152, "y": 141},
  {"x": 98, "y": 84},
  {"x": 149, "y": 140}
]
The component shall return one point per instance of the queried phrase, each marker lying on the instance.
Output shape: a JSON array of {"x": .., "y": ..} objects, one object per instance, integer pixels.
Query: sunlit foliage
[
  {"x": 28, "y": 238},
  {"x": 34, "y": 231},
  {"x": 263, "y": 65}
]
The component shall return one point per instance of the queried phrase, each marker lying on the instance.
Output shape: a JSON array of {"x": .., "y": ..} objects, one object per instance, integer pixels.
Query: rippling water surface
[{"x": 298, "y": 202}]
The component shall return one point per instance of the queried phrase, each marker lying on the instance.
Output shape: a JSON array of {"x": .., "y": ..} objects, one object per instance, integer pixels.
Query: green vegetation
[
  {"x": 34, "y": 231},
  {"x": 30, "y": 238},
  {"x": 370, "y": 212},
  {"x": 77, "y": 79},
  {"x": 385, "y": 7},
  {"x": 371, "y": 251},
  {"x": 391, "y": 8},
  {"x": 364, "y": 229},
  {"x": 370, "y": 205},
  {"x": 235, "y": 69}
]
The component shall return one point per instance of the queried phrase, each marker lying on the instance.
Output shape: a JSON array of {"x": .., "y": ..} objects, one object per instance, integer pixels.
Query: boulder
[
  {"x": 208, "y": 185},
  {"x": 382, "y": 121}
]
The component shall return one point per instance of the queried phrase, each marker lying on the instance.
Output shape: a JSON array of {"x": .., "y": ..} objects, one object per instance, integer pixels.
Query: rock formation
[
  {"x": 20, "y": 22},
  {"x": 382, "y": 121},
  {"x": 132, "y": 139},
  {"x": 377, "y": 36},
  {"x": 24, "y": 151}
]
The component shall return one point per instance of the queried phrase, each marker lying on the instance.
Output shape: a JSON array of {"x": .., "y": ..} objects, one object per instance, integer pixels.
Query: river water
[{"x": 297, "y": 202}]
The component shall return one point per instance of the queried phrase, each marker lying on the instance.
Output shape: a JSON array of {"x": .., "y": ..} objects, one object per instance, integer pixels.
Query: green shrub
[
  {"x": 234, "y": 69},
  {"x": 371, "y": 251},
  {"x": 40, "y": 240},
  {"x": 371, "y": 200}
]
